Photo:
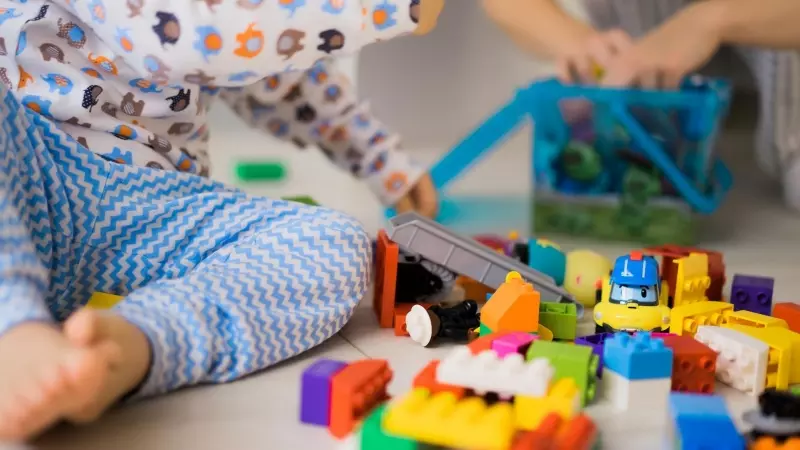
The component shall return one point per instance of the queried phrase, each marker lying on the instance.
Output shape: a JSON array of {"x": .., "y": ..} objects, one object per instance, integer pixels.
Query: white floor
[{"x": 757, "y": 235}]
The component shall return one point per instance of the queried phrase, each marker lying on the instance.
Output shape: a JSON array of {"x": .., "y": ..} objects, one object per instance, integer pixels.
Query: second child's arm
[{"x": 763, "y": 23}]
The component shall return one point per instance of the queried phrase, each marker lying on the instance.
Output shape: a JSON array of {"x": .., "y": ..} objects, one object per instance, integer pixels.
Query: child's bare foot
[{"x": 45, "y": 377}]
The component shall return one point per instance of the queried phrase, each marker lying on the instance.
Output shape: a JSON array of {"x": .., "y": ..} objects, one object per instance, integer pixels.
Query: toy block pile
[{"x": 506, "y": 390}]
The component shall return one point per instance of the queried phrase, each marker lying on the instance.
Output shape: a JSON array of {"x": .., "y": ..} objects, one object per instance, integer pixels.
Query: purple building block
[
  {"x": 752, "y": 293},
  {"x": 315, "y": 395},
  {"x": 596, "y": 342}
]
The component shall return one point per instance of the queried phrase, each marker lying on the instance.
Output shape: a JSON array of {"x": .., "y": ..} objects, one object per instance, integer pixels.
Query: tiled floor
[{"x": 756, "y": 234}]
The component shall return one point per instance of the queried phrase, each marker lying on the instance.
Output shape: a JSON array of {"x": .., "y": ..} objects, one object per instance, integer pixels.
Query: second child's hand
[{"x": 428, "y": 15}]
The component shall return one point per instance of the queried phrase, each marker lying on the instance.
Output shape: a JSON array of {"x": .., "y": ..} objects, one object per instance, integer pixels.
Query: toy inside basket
[{"x": 626, "y": 164}]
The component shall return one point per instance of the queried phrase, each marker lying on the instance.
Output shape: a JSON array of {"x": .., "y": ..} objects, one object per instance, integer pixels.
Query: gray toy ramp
[{"x": 464, "y": 256}]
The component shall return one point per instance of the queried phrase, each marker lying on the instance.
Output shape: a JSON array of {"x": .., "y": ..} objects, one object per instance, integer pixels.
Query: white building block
[
  {"x": 626, "y": 395},
  {"x": 486, "y": 372},
  {"x": 741, "y": 359}
]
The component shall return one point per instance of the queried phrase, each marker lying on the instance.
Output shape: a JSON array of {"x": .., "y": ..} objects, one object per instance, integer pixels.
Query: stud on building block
[
  {"x": 355, "y": 390},
  {"x": 487, "y": 372},
  {"x": 513, "y": 307},
  {"x": 694, "y": 365},
  {"x": 790, "y": 312},
  {"x": 512, "y": 343},
  {"x": 444, "y": 420},
  {"x": 570, "y": 361},
  {"x": 741, "y": 361},
  {"x": 560, "y": 318},
  {"x": 783, "y": 365},
  {"x": 685, "y": 319},
  {"x": 624, "y": 394},
  {"x": 752, "y": 293},
  {"x": 557, "y": 433},
  {"x": 315, "y": 395},
  {"x": 637, "y": 357},
  {"x": 752, "y": 319}
]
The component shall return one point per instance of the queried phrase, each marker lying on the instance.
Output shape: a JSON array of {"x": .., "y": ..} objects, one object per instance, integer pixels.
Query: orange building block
[
  {"x": 387, "y": 254},
  {"x": 790, "y": 312},
  {"x": 513, "y": 307},
  {"x": 541, "y": 438},
  {"x": 400, "y": 311},
  {"x": 484, "y": 343},
  {"x": 355, "y": 391},
  {"x": 769, "y": 443},
  {"x": 578, "y": 433},
  {"x": 426, "y": 378},
  {"x": 473, "y": 290}
]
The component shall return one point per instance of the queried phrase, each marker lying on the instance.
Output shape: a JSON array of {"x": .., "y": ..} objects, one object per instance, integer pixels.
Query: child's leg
[{"x": 43, "y": 376}]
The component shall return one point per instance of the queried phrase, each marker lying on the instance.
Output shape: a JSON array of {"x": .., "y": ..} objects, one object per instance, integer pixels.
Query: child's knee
[{"x": 347, "y": 235}]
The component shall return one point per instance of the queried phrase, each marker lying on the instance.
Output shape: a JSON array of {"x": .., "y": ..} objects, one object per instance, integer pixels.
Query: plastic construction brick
[
  {"x": 557, "y": 433},
  {"x": 783, "y": 365},
  {"x": 484, "y": 341},
  {"x": 444, "y": 420},
  {"x": 357, "y": 389},
  {"x": 374, "y": 438},
  {"x": 790, "y": 312},
  {"x": 624, "y": 394},
  {"x": 669, "y": 270},
  {"x": 487, "y": 372},
  {"x": 426, "y": 378},
  {"x": 560, "y": 318},
  {"x": 513, "y": 307},
  {"x": 693, "y": 365},
  {"x": 637, "y": 357},
  {"x": 562, "y": 399},
  {"x": 101, "y": 300},
  {"x": 692, "y": 280},
  {"x": 703, "y": 422},
  {"x": 315, "y": 396},
  {"x": 464, "y": 256},
  {"x": 685, "y": 319},
  {"x": 770, "y": 443},
  {"x": 595, "y": 341},
  {"x": 698, "y": 406},
  {"x": 752, "y": 319},
  {"x": 387, "y": 255},
  {"x": 513, "y": 343},
  {"x": 570, "y": 361},
  {"x": 752, "y": 293}
]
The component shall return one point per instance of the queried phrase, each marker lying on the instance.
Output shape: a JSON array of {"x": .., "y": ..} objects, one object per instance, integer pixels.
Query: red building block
[
  {"x": 387, "y": 254},
  {"x": 790, "y": 312},
  {"x": 355, "y": 391},
  {"x": 669, "y": 270},
  {"x": 426, "y": 378},
  {"x": 400, "y": 312},
  {"x": 693, "y": 365}
]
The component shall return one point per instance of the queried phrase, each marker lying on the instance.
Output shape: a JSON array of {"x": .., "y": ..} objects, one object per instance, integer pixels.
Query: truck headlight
[
  {"x": 598, "y": 315},
  {"x": 665, "y": 320}
]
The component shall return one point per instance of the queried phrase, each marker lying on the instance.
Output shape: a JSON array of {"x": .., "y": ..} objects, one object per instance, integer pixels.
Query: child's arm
[
  {"x": 765, "y": 23},
  {"x": 233, "y": 42},
  {"x": 23, "y": 278},
  {"x": 319, "y": 107}
]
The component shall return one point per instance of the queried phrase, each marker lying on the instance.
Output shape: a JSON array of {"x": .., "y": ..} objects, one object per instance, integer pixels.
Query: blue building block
[
  {"x": 546, "y": 257},
  {"x": 637, "y": 357},
  {"x": 702, "y": 422},
  {"x": 315, "y": 395}
]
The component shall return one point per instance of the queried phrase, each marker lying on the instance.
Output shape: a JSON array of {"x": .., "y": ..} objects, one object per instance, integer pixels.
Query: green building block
[
  {"x": 304, "y": 199},
  {"x": 795, "y": 390},
  {"x": 560, "y": 318},
  {"x": 373, "y": 437},
  {"x": 570, "y": 361},
  {"x": 261, "y": 171},
  {"x": 484, "y": 330}
]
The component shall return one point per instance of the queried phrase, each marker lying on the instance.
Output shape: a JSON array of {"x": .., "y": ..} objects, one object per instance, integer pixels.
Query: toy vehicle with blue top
[{"x": 633, "y": 298}]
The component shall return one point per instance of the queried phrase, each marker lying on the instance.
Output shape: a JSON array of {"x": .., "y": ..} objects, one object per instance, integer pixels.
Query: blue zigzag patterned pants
[{"x": 223, "y": 284}]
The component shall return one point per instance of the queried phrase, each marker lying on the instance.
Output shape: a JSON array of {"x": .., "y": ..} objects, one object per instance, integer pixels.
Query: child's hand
[
  {"x": 665, "y": 55},
  {"x": 584, "y": 60},
  {"x": 428, "y": 15},
  {"x": 422, "y": 198}
]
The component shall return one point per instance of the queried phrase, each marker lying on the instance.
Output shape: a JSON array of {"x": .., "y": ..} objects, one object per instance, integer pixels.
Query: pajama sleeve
[
  {"x": 320, "y": 107},
  {"x": 23, "y": 278},
  {"x": 236, "y": 42}
]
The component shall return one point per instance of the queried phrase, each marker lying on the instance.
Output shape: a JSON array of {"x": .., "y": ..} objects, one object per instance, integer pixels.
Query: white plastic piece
[
  {"x": 645, "y": 395},
  {"x": 419, "y": 326},
  {"x": 487, "y": 372},
  {"x": 741, "y": 359}
]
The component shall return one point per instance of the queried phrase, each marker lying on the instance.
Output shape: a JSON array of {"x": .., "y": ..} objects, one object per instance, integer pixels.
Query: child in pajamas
[
  {"x": 103, "y": 107},
  {"x": 654, "y": 43}
]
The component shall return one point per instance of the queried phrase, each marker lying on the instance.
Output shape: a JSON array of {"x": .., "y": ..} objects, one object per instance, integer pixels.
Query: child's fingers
[
  {"x": 425, "y": 197},
  {"x": 405, "y": 204}
]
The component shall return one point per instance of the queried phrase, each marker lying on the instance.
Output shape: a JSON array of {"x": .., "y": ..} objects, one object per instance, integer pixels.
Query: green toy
[
  {"x": 304, "y": 199},
  {"x": 570, "y": 361},
  {"x": 261, "y": 171},
  {"x": 581, "y": 162},
  {"x": 560, "y": 318}
]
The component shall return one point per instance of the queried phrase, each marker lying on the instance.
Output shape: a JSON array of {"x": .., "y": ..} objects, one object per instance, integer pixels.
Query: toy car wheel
[{"x": 599, "y": 329}]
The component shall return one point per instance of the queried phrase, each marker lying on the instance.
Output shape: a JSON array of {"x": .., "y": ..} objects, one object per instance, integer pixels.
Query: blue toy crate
[{"x": 619, "y": 164}]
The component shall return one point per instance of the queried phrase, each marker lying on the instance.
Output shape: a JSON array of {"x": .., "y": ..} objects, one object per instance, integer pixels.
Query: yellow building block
[
  {"x": 685, "y": 319},
  {"x": 445, "y": 420},
  {"x": 691, "y": 280},
  {"x": 751, "y": 319},
  {"x": 563, "y": 399},
  {"x": 101, "y": 300},
  {"x": 783, "y": 362}
]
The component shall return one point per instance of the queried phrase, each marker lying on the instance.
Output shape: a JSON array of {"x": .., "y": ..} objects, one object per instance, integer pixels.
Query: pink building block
[{"x": 517, "y": 342}]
